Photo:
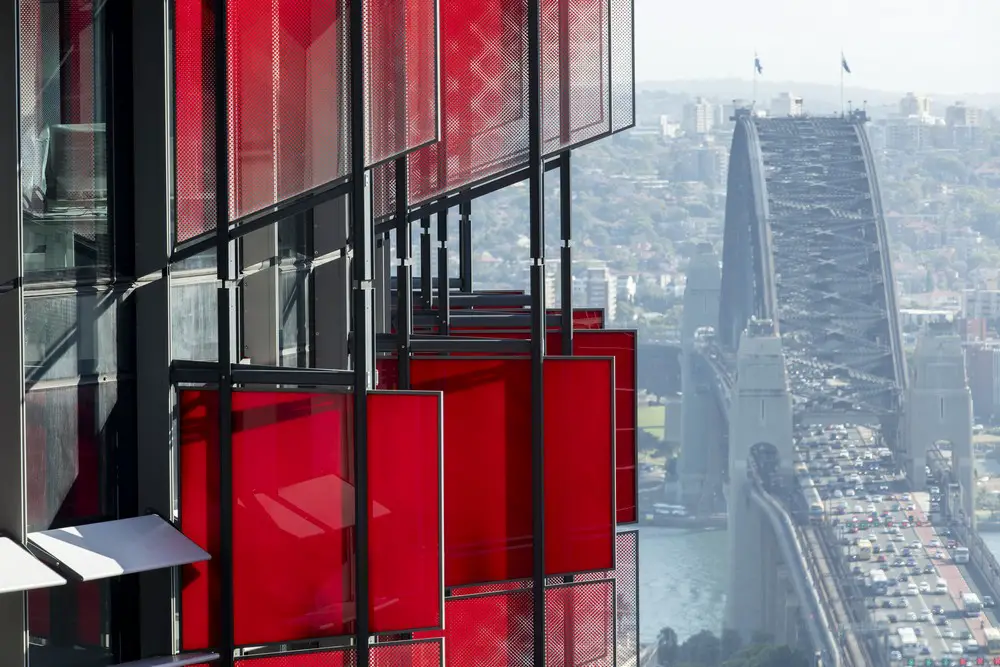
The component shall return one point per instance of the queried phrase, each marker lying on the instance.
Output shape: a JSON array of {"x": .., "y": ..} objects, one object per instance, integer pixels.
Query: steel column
[
  {"x": 566, "y": 254},
  {"x": 465, "y": 246},
  {"x": 443, "y": 282},
  {"x": 362, "y": 239},
  {"x": 536, "y": 218},
  {"x": 425, "y": 262},
  {"x": 404, "y": 276}
]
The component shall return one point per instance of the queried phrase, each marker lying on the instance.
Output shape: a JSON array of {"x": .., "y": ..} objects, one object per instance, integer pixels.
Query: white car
[
  {"x": 911, "y": 617},
  {"x": 956, "y": 648},
  {"x": 926, "y": 616},
  {"x": 925, "y": 587}
]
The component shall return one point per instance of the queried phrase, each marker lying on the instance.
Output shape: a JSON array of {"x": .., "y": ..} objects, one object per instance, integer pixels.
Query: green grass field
[{"x": 651, "y": 419}]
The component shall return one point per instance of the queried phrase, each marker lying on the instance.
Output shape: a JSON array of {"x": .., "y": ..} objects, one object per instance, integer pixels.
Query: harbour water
[{"x": 683, "y": 576}]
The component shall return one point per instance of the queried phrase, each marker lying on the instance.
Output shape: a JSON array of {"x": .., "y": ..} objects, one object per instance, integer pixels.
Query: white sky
[{"x": 940, "y": 46}]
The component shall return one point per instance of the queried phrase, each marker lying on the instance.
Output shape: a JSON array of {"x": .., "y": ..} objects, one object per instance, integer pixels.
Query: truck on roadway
[{"x": 971, "y": 604}]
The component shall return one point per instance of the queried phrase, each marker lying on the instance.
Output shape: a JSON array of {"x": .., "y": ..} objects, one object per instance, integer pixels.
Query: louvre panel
[
  {"x": 194, "y": 118},
  {"x": 288, "y": 129},
  {"x": 627, "y": 598},
  {"x": 489, "y": 630},
  {"x": 420, "y": 653},
  {"x": 401, "y": 77},
  {"x": 622, "y": 65},
  {"x": 576, "y": 95},
  {"x": 341, "y": 657},
  {"x": 579, "y": 625},
  {"x": 484, "y": 95}
]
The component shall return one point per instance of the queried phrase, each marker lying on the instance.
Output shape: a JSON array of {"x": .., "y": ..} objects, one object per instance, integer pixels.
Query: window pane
[
  {"x": 69, "y": 626},
  {"x": 293, "y": 308},
  {"x": 71, "y": 434},
  {"x": 64, "y": 165},
  {"x": 76, "y": 334},
  {"x": 194, "y": 321}
]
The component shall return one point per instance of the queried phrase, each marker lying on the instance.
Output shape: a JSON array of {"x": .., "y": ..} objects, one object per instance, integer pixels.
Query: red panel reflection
[
  {"x": 489, "y": 630},
  {"x": 622, "y": 346},
  {"x": 404, "y": 483},
  {"x": 579, "y": 625},
  {"x": 579, "y": 465},
  {"x": 293, "y": 516},
  {"x": 287, "y": 67},
  {"x": 343, "y": 657},
  {"x": 199, "y": 501},
  {"x": 487, "y": 450}
]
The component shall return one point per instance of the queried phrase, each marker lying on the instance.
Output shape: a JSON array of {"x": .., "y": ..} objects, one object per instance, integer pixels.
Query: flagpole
[
  {"x": 841, "y": 82},
  {"x": 753, "y": 99}
]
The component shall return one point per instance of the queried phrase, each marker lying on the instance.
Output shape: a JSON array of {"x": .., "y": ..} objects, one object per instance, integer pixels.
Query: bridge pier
[
  {"x": 938, "y": 410},
  {"x": 760, "y": 434}
]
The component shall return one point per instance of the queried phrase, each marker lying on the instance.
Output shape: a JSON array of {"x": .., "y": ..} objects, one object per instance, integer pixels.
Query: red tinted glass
[
  {"x": 489, "y": 630},
  {"x": 575, "y": 72},
  {"x": 579, "y": 625},
  {"x": 388, "y": 373},
  {"x": 579, "y": 465},
  {"x": 199, "y": 501},
  {"x": 622, "y": 346},
  {"x": 288, "y": 91},
  {"x": 293, "y": 516},
  {"x": 194, "y": 117},
  {"x": 401, "y": 76},
  {"x": 404, "y": 483},
  {"x": 344, "y": 657},
  {"x": 422, "y": 653},
  {"x": 487, "y": 459},
  {"x": 484, "y": 94}
]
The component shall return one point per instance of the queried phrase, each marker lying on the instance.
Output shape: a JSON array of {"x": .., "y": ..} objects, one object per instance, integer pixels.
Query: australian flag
[
  {"x": 756, "y": 65},
  {"x": 843, "y": 63}
]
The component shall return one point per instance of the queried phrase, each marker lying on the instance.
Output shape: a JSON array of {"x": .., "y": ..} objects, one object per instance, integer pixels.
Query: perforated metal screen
[
  {"x": 576, "y": 71},
  {"x": 579, "y": 625},
  {"x": 627, "y": 598},
  {"x": 622, "y": 65},
  {"x": 345, "y": 657},
  {"x": 421, "y": 653},
  {"x": 490, "y": 630}
]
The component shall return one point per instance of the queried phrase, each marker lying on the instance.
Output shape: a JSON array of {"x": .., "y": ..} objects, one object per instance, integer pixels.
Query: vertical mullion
[
  {"x": 362, "y": 241},
  {"x": 404, "y": 275},
  {"x": 465, "y": 246},
  {"x": 444, "y": 304},
  {"x": 566, "y": 254},
  {"x": 536, "y": 217},
  {"x": 425, "y": 262},
  {"x": 224, "y": 273}
]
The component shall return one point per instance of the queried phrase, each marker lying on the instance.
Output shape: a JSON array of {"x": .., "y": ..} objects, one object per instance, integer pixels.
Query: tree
[
  {"x": 666, "y": 649},
  {"x": 706, "y": 650}
]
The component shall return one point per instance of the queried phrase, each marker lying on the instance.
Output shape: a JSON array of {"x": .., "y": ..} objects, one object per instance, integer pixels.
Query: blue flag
[
  {"x": 843, "y": 63},
  {"x": 756, "y": 65}
]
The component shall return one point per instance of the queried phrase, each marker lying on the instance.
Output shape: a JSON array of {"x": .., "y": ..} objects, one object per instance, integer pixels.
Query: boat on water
[{"x": 676, "y": 516}]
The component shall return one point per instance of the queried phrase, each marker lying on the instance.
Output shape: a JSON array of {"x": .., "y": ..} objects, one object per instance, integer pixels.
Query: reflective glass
[
  {"x": 294, "y": 316},
  {"x": 64, "y": 161},
  {"x": 487, "y": 511},
  {"x": 293, "y": 499},
  {"x": 404, "y": 482},
  {"x": 579, "y": 454},
  {"x": 194, "y": 321}
]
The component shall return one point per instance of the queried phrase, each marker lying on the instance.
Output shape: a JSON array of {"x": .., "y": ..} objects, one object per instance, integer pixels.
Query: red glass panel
[
  {"x": 404, "y": 483},
  {"x": 627, "y": 595},
  {"x": 622, "y": 346},
  {"x": 344, "y": 657},
  {"x": 498, "y": 587},
  {"x": 293, "y": 516},
  {"x": 288, "y": 92},
  {"x": 579, "y": 465},
  {"x": 489, "y": 630},
  {"x": 484, "y": 93},
  {"x": 194, "y": 117},
  {"x": 422, "y": 653},
  {"x": 401, "y": 76},
  {"x": 388, "y": 373},
  {"x": 579, "y": 625},
  {"x": 199, "y": 505},
  {"x": 487, "y": 457},
  {"x": 575, "y": 72}
]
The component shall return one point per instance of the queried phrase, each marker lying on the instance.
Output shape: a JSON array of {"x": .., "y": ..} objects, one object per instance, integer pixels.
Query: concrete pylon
[
  {"x": 760, "y": 415},
  {"x": 699, "y": 413},
  {"x": 938, "y": 408}
]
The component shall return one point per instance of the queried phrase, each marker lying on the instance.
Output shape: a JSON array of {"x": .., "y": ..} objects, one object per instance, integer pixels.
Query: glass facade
[{"x": 124, "y": 294}]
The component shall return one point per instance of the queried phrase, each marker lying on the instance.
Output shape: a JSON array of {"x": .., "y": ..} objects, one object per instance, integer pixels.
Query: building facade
[{"x": 224, "y": 341}]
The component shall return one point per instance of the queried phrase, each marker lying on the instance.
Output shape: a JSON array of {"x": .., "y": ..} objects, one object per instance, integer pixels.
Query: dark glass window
[
  {"x": 82, "y": 333},
  {"x": 293, "y": 316},
  {"x": 72, "y": 433},
  {"x": 194, "y": 321},
  {"x": 64, "y": 159},
  {"x": 70, "y": 626}
]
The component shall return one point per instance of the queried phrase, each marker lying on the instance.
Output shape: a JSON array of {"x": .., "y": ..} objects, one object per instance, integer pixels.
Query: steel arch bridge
[{"x": 805, "y": 247}]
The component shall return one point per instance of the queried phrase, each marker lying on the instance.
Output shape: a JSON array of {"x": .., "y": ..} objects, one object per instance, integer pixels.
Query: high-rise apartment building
[
  {"x": 699, "y": 116},
  {"x": 235, "y": 413}
]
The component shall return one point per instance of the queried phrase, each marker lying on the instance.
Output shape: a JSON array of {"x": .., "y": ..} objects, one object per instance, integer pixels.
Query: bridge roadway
[{"x": 866, "y": 625}]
